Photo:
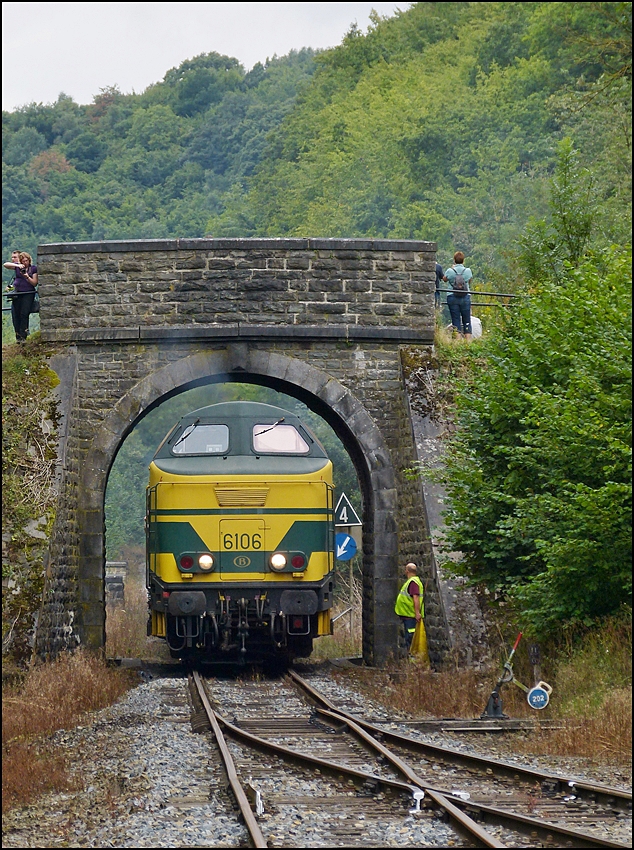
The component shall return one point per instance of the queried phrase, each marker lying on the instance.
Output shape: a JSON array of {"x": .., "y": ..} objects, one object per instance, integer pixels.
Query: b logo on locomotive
[{"x": 242, "y": 561}]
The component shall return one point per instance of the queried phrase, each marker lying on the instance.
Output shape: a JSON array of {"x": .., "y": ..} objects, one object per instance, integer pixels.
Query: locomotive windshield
[
  {"x": 203, "y": 440},
  {"x": 279, "y": 439}
]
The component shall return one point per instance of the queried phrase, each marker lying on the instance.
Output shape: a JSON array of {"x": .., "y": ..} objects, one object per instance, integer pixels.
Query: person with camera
[{"x": 22, "y": 294}]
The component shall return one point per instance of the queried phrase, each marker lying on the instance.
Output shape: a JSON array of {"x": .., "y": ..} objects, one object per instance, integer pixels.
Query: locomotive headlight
[
  {"x": 206, "y": 562},
  {"x": 277, "y": 561}
]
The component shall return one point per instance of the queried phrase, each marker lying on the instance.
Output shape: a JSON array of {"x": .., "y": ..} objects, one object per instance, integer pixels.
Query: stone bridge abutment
[{"x": 321, "y": 320}]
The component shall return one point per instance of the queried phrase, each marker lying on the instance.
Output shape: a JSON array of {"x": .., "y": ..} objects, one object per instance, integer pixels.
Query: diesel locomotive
[{"x": 240, "y": 536}]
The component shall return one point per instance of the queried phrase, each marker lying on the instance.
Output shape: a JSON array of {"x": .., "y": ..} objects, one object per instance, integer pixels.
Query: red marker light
[{"x": 187, "y": 562}]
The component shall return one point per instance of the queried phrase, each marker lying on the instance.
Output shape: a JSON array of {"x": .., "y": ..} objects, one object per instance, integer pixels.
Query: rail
[
  {"x": 343, "y": 613},
  {"x": 6, "y": 301},
  {"x": 460, "y": 820},
  {"x": 441, "y": 303},
  {"x": 482, "y": 292},
  {"x": 232, "y": 775},
  {"x": 605, "y": 794},
  {"x": 458, "y": 808}
]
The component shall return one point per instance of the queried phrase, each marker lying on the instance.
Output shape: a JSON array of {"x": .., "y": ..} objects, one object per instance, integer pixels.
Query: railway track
[
  {"x": 496, "y": 786},
  {"x": 359, "y": 784},
  {"x": 305, "y": 800}
]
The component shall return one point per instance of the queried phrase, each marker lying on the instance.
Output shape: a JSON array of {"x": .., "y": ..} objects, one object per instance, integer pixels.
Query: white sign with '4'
[{"x": 345, "y": 514}]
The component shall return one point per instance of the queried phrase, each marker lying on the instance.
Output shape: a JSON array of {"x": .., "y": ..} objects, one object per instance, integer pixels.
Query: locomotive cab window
[
  {"x": 202, "y": 440},
  {"x": 278, "y": 439}
]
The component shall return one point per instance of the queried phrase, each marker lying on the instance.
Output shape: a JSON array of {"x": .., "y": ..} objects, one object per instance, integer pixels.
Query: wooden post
[{"x": 351, "y": 598}]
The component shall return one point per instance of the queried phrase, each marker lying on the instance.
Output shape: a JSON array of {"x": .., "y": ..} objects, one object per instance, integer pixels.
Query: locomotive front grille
[{"x": 242, "y": 497}]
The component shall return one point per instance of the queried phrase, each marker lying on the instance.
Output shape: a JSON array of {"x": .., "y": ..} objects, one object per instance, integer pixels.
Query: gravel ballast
[{"x": 144, "y": 779}]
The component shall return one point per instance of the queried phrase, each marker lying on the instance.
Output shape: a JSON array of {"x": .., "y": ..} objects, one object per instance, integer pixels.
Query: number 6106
[{"x": 235, "y": 541}]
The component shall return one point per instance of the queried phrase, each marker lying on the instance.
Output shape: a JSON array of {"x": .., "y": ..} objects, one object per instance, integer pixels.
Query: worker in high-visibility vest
[{"x": 410, "y": 605}]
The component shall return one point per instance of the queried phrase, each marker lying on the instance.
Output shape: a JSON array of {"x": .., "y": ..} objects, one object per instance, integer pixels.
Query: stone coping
[
  {"x": 252, "y": 332},
  {"x": 237, "y": 244}
]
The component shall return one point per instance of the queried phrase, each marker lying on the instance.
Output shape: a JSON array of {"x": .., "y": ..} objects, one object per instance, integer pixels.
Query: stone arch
[{"x": 322, "y": 393}]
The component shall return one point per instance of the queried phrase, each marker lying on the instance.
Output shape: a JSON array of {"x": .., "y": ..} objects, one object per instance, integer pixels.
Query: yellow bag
[{"x": 419, "y": 644}]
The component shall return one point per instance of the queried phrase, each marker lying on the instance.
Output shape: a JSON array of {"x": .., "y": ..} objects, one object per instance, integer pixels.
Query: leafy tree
[
  {"x": 23, "y": 146},
  {"x": 86, "y": 152},
  {"x": 584, "y": 40},
  {"x": 50, "y": 160},
  {"x": 440, "y": 122},
  {"x": 202, "y": 81},
  {"x": 126, "y": 166},
  {"x": 539, "y": 473},
  {"x": 541, "y": 493},
  {"x": 572, "y": 203}
]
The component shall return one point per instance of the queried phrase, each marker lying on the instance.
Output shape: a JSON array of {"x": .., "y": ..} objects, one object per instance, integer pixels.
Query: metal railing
[
  {"x": 7, "y": 309},
  {"x": 483, "y": 303},
  {"x": 6, "y": 300},
  {"x": 347, "y": 611}
]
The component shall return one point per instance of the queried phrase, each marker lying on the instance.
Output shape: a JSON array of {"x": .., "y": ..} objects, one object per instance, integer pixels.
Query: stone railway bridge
[{"x": 323, "y": 320}]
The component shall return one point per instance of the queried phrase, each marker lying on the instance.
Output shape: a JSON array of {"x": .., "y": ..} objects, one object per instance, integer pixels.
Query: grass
[
  {"x": 593, "y": 694},
  {"x": 591, "y": 702},
  {"x": 590, "y": 673},
  {"x": 30, "y": 770},
  {"x": 339, "y": 645},
  {"x": 407, "y": 687},
  {"x": 345, "y": 642},
  {"x": 126, "y": 635},
  {"x": 54, "y": 695},
  {"x": 606, "y": 732}
]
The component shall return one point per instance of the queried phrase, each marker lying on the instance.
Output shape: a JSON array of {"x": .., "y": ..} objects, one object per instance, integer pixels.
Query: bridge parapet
[{"x": 237, "y": 287}]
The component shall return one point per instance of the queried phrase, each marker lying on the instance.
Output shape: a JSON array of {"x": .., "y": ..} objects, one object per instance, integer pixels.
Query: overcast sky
[{"x": 79, "y": 48}]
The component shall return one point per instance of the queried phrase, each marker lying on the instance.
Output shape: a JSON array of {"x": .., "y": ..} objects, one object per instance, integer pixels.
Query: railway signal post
[{"x": 347, "y": 540}]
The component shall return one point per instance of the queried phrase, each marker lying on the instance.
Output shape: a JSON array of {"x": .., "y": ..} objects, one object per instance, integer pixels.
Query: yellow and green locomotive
[{"x": 240, "y": 536}]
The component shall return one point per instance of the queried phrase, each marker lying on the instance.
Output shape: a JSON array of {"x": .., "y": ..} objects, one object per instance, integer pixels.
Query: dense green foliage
[
  {"x": 442, "y": 123},
  {"x": 539, "y": 473},
  {"x": 540, "y": 482},
  {"x": 439, "y": 123},
  {"x": 142, "y": 166}
]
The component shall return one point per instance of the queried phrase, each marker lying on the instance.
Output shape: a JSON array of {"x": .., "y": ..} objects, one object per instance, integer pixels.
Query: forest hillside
[{"x": 439, "y": 123}]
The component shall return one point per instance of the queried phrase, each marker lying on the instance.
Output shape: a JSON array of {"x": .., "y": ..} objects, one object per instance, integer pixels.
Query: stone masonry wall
[
  {"x": 145, "y": 323},
  {"x": 291, "y": 282}
]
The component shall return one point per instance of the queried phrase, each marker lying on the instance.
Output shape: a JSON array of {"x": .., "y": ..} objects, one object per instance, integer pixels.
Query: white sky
[{"x": 79, "y": 48}]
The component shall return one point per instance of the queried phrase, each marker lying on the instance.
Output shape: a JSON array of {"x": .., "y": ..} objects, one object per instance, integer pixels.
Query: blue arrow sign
[{"x": 345, "y": 547}]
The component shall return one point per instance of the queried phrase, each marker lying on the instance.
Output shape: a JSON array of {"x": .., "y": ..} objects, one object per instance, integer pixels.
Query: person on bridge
[
  {"x": 410, "y": 603},
  {"x": 459, "y": 304},
  {"x": 23, "y": 294}
]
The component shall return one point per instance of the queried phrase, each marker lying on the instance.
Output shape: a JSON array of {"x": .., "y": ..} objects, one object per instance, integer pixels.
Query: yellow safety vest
[{"x": 405, "y": 604}]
